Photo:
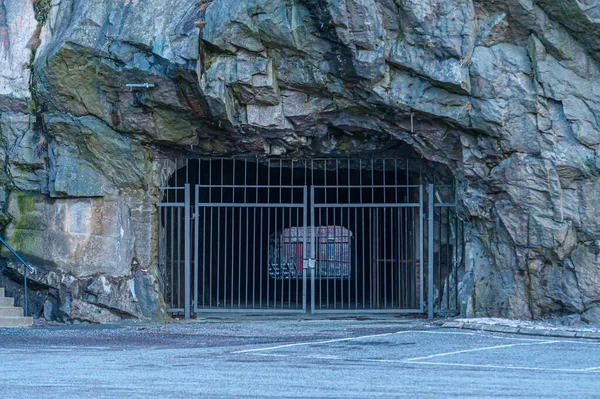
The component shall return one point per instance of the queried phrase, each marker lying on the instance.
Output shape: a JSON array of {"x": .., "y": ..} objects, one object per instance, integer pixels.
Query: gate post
[
  {"x": 430, "y": 234},
  {"x": 187, "y": 238}
]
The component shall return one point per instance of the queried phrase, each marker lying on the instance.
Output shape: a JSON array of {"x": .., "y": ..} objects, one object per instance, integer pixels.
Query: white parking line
[
  {"x": 329, "y": 341},
  {"x": 562, "y": 341},
  {"x": 491, "y": 366},
  {"x": 444, "y": 332},
  {"x": 487, "y": 348},
  {"x": 466, "y": 365},
  {"x": 422, "y": 360},
  {"x": 591, "y": 369}
]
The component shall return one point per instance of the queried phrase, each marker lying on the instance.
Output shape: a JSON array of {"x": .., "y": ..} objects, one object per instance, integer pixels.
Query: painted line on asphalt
[
  {"x": 591, "y": 369},
  {"x": 443, "y": 332},
  {"x": 491, "y": 366},
  {"x": 487, "y": 348},
  {"x": 522, "y": 339},
  {"x": 329, "y": 341},
  {"x": 557, "y": 339},
  {"x": 466, "y": 365}
]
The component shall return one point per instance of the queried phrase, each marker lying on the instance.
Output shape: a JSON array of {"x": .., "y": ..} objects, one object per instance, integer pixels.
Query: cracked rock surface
[{"x": 505, "y": 93}]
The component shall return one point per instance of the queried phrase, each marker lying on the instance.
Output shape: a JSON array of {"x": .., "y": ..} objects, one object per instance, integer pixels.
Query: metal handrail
[{"x": 27, "y": 267}]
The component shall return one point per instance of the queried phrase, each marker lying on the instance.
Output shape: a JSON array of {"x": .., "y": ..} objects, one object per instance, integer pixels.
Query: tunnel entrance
[{"x": 318, "y": 235}]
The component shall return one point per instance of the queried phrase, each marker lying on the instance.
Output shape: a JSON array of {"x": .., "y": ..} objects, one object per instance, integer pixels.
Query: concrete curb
[{"x": 538, "y": 331}]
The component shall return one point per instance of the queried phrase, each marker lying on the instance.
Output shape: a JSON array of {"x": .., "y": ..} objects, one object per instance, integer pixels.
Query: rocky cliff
[{"x": 506, "y": 93}]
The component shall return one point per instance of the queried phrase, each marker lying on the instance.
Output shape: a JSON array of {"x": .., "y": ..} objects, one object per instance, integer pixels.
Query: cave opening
[{"x": 283, "y": 235}]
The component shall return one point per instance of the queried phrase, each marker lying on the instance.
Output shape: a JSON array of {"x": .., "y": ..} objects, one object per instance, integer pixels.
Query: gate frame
[
  {"x": 187, "y": 258},
  {"x": 427, "y": 304},
  {"x": 393, "y": 205},
  {"x": 197, "y": 205},
  {"x": 432, "y": 205}
]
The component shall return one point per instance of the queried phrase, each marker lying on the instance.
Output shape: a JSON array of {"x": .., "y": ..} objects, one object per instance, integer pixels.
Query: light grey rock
[
  {"x": 592, "y": 315},
  {"x": 585, "y": 261},
  {"x": 23, "y": 150},
  {"x": 437, "y": 41},
  {"x": 17, "y": 27},
  {"x": 75, "y": 178}
]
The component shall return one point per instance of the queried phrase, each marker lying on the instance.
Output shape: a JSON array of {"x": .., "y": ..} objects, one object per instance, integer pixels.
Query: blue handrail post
[{"x": 25, "y": 291}]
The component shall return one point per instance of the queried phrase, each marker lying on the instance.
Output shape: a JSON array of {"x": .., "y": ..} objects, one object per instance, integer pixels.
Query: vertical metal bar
[
  {"x": 210, "y": 254},
  {"x": 448, "y": 261},
  {"x": 297, "y": 254},
  {"x": 204, "y": 282},
  {"x": 172, "y": 228},
  {"x": 372, "y": 255},
  {"x": 363, "y": 237},
  {"x": 226, "y": 233},
  {"x": 350, "y": 240},
  {"x": 337, "y": 245},
  {"x": 275, "y": 256},
  {"x": 401, "y": 258},
  {"x": 384, "y": 222},
  {"x": 413, "y": 257},
  {"x": 407, "y": 253},
  {"x": 232, "y": 231},
  {"x": 327, "y": 232},
  {"x": 196, "y": 218},
  {"x": 355, "y": 211},
  {"x": 239, "y": 287},
  {"x": 247, "y": 238},
  {"x": 179, "y": 229},
  {"x": 269, "y": 231},
  {"x": 260, "y": 280},
  {"x": 291, "y": 250},
  {"x": 439, "y": 257},
  {"x": 393, "y": 256},
  {"x": 187, "y": 170},
  {"x": 282, "y": 224},
  {"x": 378, "y": 257},
  {"x": 259, "y": 232},
  {"x": 218, "y": 265},
  {"x": 233, "y": 224},
  {"x": 280, "y": 237},
  {"x": 304, "y": 245},
  {"x": 374, "y": 249},
  {"x": 455, "y": 262},
  {"x": 312, "y": 262},
  {"x": 421, "y": 248},
  {"x": 394, "y": 213},
  {"x": 211, "y": 235},
  {"x": 164, "y": 211},
  {"x": 430, "y": 254},
  {"x": 218, "y": 299},
  {"x": 187, "y": 256},
  {"x": 336, "y": 238},
  {"x": 320, "y": 251}
]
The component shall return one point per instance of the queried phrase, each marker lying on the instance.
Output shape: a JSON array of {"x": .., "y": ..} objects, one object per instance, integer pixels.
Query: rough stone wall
[{"x": 504, "y": 92}]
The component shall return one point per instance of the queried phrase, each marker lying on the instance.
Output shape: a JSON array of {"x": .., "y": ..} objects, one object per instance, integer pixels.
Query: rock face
[{"x": 505, "y": 93}]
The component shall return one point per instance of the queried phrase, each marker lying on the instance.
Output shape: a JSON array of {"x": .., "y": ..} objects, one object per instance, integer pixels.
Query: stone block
[
  {"x": 452, "y": 324},
  {"x": 78, "y": 237}
]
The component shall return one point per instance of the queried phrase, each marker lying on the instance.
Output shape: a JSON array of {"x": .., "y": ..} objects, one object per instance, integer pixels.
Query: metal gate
[
  {"x": 354, "y": 245},
  {"x": 446, "y": 250},
  {"x": 249, "y": 248},
  {"x": 367, "y": 242},
  {"x": 174, "y": 247}
]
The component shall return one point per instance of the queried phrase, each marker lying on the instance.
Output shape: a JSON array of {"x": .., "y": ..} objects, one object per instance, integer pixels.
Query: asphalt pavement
[{"x": 293, "y": 357}]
